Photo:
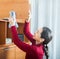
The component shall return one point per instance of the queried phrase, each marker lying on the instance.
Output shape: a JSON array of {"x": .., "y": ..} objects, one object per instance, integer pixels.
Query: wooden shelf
[{"x": 18, "y": 20}]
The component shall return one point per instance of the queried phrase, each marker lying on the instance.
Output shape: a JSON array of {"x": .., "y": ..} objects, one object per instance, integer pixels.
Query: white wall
[{"x": 47, "y": 13}]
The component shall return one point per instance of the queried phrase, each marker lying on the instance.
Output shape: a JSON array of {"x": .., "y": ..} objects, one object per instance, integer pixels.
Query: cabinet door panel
[{"x": 7, "y": 53}]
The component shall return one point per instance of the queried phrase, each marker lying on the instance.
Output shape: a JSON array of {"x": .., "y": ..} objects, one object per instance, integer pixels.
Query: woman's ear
[{"x": 43, "y": 40}]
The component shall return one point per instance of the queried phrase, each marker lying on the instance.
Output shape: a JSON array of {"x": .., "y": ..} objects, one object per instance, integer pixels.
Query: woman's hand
[
  {"x": 11, "y": 22},
  {"x": 29, "y": 17},
  {"x": 27, "y": 20}
]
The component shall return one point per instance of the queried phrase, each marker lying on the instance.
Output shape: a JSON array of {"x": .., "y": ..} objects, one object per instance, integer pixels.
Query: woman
[{"x": 39, "y": 40}]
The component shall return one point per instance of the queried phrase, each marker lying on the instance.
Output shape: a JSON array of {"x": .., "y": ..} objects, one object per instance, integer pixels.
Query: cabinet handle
[{"x": 6, "y": 49}]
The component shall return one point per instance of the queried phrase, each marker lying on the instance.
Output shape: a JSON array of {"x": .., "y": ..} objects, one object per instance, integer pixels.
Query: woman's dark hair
[{"x": 47, "y": 35}]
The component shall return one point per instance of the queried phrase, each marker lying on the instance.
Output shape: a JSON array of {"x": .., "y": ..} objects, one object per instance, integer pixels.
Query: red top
[{"x": 32, "y": 51}]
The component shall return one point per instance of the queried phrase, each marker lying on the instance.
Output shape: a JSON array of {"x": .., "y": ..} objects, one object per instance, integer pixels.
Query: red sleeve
[
  {"x": 27, "y": 32},
  {"x": 25, "y": 47}
]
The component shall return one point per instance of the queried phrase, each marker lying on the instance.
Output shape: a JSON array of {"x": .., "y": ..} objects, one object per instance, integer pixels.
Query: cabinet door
[
  {"x": 20, "y": 54},
  {"x": 2, "y": 56},
  {"x": 21, "y": 7},
  {"x": 3, "y": 31},
  {"x": 7, "y": 53}
]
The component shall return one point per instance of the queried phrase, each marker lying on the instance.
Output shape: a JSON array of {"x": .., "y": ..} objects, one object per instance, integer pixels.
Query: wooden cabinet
[
  {"x": 11, "y": 51},
  {"x": 21, "y": 8}
]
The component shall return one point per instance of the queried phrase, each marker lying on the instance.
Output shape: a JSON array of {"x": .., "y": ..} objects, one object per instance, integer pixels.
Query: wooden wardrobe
[{"x": 21, "y": 7}]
